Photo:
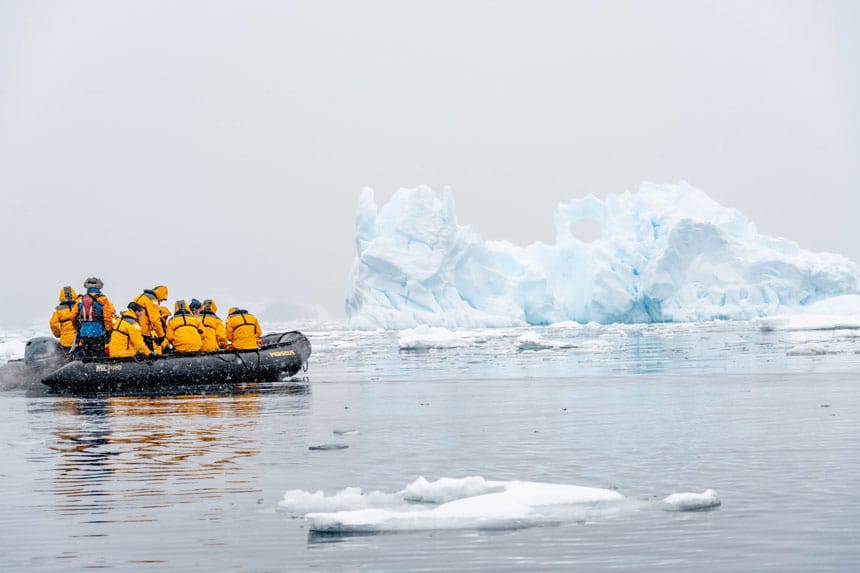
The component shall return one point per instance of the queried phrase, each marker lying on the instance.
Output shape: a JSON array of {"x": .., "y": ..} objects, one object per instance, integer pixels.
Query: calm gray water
[{"x": 192, "y": 483}]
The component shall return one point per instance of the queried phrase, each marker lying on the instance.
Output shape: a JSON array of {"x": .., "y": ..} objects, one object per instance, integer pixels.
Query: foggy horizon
[{"x": 220, "y": 148}]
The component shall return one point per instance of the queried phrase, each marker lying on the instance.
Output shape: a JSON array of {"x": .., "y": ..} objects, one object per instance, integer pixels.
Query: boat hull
[{"x": 282, "y": 355}]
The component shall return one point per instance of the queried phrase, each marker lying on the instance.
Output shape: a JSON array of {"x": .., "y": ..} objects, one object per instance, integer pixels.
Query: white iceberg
[{"x": 666, "y": 253}]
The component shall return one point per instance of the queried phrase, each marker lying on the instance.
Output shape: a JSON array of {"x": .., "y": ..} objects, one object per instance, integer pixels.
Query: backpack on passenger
[{"x": 91, "y": 317}]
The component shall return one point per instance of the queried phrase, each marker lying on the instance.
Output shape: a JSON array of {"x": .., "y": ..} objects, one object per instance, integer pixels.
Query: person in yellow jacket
[
  {"x": 125, "y": 339},
  {"x": 63, "y": 320},
  {"x": 243, "y": 330},
  {"x": 184, "y": 330},
  {"x": 214, "y": 332},
  {"x": 150, "y": 324}
]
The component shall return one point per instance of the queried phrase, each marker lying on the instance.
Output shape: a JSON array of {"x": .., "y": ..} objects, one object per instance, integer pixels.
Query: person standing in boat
[
  {"x": 150, "y": 324},
  {"x": 243, "y": 330},
  {"x": 184, "y": 329},
  {"x": 93, "y": 320},
  {"x": 126, "y": 340},
  {"x": 214, "y": 332},
  {"x": 63, "y": 320}
]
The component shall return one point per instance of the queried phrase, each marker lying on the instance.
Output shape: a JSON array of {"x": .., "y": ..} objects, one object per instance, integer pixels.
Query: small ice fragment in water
[
  {"x": 344, "y": 431},
  {"x": 808, "y": 349},
  {"x": 329, "y": 447},
  {"x": 691, "y": 501}
]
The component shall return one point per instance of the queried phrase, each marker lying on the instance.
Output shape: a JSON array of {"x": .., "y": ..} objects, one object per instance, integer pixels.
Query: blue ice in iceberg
[{"x": 667, "y": 253}]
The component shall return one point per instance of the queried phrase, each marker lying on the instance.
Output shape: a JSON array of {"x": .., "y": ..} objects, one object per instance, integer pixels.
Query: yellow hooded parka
[
  {"x": 63, "y": 320},
  {"x": 126, "y": 340},
  {"x": 243, "y": 329},
  {"x": 214, "y": 332},
  {"x": 184, "y": 329}
]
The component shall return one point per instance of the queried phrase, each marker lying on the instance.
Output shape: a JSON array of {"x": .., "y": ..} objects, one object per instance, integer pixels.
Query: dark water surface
[{"x": 192, "y": 483}]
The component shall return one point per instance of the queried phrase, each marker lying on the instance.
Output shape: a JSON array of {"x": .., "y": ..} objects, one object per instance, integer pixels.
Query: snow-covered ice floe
[
  {"x": 837, "y": 313},
  {"x": 666, "y": 253},
  {"x": 427, "y": 337},
  {"x": 466, "y": 503}
]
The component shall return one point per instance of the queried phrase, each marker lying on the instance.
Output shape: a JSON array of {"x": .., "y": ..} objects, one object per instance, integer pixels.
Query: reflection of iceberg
[{"x": 667, "y": 253}]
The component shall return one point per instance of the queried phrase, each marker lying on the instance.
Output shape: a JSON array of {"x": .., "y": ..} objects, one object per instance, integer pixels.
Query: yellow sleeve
[
  {"x": 137, "y": 341},
  {"x": 55, "y": 324},
  {"x": 154, "y": 316},
  {"x": 108, "y": 312},
  {"x": 221, "y": 334}
]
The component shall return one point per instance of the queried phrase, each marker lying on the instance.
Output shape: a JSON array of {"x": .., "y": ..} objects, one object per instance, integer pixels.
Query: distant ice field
[
  {"x": 785, "y": 343},
  {"x": 571, "y": 350}
]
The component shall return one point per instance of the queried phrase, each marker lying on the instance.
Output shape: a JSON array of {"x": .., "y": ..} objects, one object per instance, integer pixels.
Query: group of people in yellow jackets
[{"x": 88, "y": 326}]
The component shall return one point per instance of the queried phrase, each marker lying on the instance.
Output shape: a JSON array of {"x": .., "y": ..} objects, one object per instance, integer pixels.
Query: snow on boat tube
[{"x": 281, "y": 355}]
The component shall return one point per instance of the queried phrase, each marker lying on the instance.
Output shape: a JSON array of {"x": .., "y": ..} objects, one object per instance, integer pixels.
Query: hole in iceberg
[{"x": 586, "y": 230}]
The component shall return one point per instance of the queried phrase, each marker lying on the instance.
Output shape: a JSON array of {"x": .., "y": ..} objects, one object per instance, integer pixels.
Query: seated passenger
[
  {"x": 150, "y": 323},
  {"x": 184, "y": 329},
  {"x": 126, "y": 339},
  {"x": 243, "y": 330},
  {"x": 63, "y": 320},
  {"x": 214, "y": 333}
]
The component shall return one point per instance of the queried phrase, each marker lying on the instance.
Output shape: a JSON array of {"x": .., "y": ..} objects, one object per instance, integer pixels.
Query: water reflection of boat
[
  {"x": 281, "y": 356},
  {"x": 122, "y": 456}
]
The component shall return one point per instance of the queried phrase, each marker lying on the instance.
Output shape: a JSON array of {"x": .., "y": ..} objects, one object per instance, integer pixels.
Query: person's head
[
  {"x": 180, "y": 307},
  {"x": 93, "y": 283},
  {"x": 210, "y": 306},
  {"x": 68, "y": 294},
  {"x": 135, "y": 308},
  {"x": 195, "y": 306},
  {"x": 160, "y": 293}
]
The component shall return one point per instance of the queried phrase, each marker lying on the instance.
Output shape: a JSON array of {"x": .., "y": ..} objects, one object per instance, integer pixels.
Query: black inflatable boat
[{"x": 281, "y": 356}]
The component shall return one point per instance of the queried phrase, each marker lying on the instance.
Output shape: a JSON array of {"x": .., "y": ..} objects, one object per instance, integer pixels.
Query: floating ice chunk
[
  {"x": 534, "y": 341},
  {"x": 426, "y": 337},
  {"x": 837, "y": 313},
  {"x": 691, "y": 501},
  {"x": 450, "y": 503},
  {"x": 345, "y": 431},
  {"x": 808, "y": 349}
]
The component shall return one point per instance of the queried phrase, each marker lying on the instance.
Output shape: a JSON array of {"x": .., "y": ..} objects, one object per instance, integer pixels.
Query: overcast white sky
[{"x": 220, "y": 147}]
